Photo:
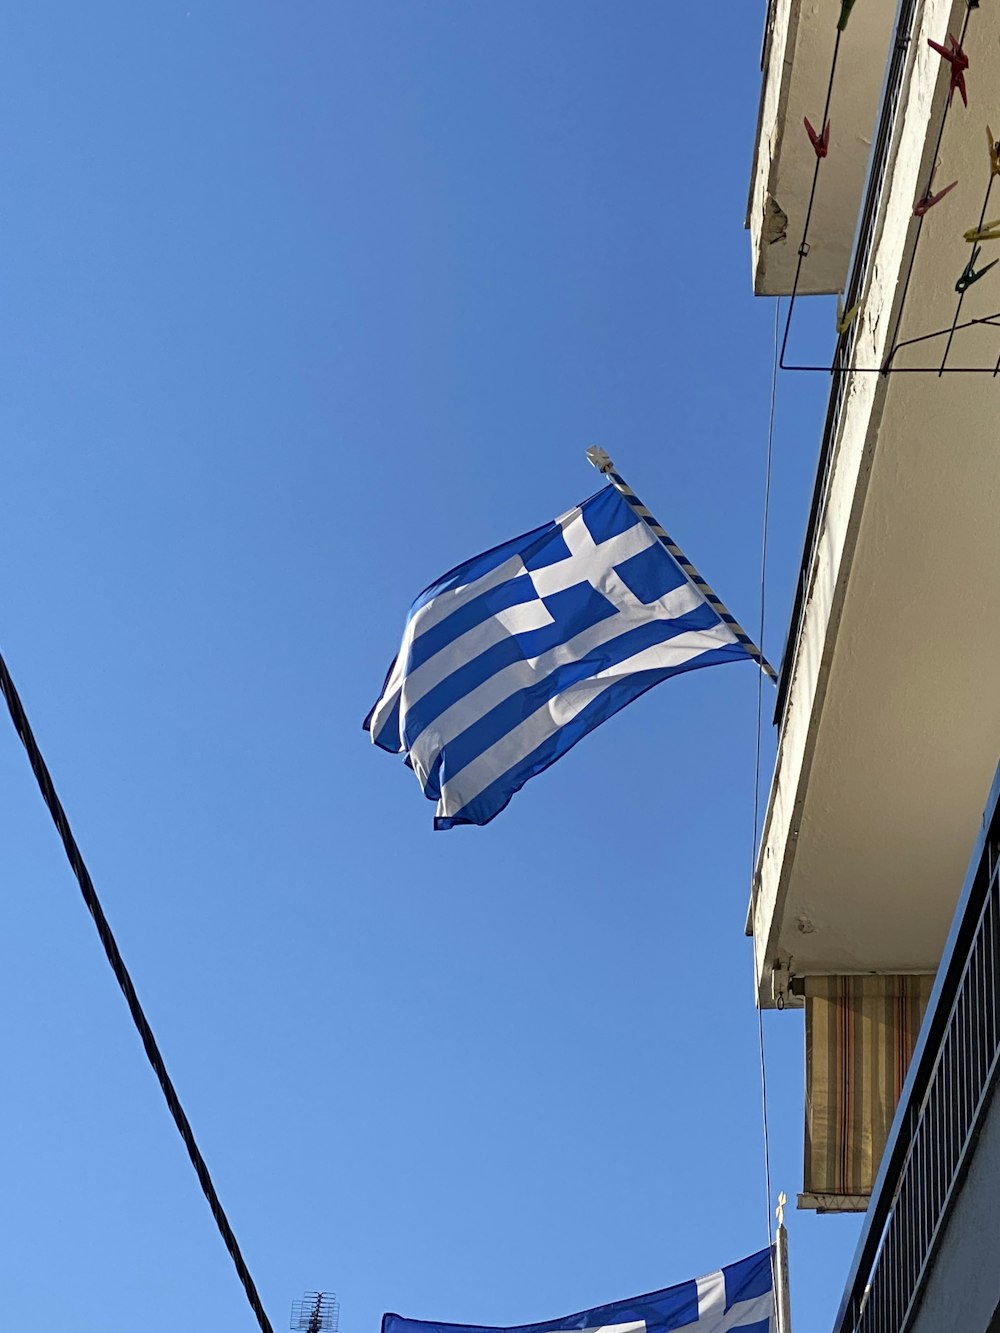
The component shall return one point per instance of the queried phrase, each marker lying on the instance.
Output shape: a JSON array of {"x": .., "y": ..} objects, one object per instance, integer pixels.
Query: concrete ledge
[{"x": 800, "y": 53}]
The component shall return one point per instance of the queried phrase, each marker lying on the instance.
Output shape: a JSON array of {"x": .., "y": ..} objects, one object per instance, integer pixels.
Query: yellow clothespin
[
  {"x": 989, "y": 231},
  {"x": 994, "y": 152},
  {"x": 846, "y": 319},
  {"x": 779, "y": 1212}
]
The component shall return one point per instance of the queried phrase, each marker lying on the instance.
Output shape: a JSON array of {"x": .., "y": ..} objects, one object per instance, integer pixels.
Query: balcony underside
[{"x": 800, "y": 57}]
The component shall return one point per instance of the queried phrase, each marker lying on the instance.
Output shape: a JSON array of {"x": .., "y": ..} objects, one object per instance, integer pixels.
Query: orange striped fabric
[{"x": 860, "y": 1034}]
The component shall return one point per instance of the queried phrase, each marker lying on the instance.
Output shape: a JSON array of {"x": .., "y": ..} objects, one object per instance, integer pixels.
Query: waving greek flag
[
  {"x": 736, "y": 1299},
  {"x": 511, "y": 658}
]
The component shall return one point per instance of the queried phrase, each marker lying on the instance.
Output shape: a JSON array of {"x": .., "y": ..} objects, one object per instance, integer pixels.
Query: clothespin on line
[
  {"x": 820, "y": 142},
  {"x": 969, "y": 275},
  {"x": 959, "y": 62},
  {"x": 927, "y": 200},
  {"x": 846, "y": 318},
  {"x": 989, "y": 231}
]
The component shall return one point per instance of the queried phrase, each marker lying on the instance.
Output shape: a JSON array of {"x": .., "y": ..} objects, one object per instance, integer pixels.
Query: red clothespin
[
  {"x": 959, "y": 63},
  {"x": 820, "y": 142},
  {"x": 928, "y": 200}
]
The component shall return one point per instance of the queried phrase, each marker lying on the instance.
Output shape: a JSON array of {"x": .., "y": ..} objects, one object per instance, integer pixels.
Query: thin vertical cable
[{"x": 756, "y": 768}]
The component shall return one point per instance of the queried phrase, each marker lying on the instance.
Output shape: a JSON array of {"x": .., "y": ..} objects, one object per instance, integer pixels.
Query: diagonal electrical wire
[
  {"x": 756, "y": 769},
  {"x": 51, "y": 799}
]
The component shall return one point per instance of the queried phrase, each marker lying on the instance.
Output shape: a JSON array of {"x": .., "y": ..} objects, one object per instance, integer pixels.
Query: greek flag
[
  {"x": 511, "y": 658},
  {"x": 736, "y": 1299}
]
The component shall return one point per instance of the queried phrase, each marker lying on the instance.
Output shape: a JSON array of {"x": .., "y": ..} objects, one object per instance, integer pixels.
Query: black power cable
[{"x": 44, "y": 779}]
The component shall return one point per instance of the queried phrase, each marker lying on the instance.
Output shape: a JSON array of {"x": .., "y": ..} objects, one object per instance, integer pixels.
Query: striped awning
[{"x": 860, "y": 1034}]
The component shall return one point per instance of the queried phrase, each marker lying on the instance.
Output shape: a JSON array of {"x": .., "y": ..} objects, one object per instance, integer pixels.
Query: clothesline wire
[
  {"x": 920, "y": 221},
  {"x": 804, "y": 243},
  {"x": 895, "y": 344},
  {"x": 961, "y": 294}
]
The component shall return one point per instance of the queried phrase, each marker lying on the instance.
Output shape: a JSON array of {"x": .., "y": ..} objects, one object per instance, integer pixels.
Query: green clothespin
[
  {"x": 969, "y": 274},
  {"x": 845, "y": 13}
]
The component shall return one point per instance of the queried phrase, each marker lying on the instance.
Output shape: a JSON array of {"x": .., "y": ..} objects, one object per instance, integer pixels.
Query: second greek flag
[{"x": 736, "y": 1299}]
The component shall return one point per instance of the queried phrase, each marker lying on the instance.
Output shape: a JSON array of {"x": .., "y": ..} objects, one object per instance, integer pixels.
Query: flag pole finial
[{"x": 599, "y": 458}]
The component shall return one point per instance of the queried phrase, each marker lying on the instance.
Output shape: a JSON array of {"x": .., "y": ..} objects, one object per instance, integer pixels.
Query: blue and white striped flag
[
  {"x": 736, "y": 1299},
  {"x": 511, "y": 658}
]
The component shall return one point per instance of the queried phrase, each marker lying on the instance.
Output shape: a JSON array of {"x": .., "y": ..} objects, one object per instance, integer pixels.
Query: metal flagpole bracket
[{"x": 599, "y": 458}]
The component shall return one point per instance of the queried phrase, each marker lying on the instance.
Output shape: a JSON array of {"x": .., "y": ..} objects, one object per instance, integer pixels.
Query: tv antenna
[{"x": 316, "y": 1312}]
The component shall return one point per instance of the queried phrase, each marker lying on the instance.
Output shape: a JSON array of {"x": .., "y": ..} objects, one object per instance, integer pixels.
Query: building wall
[
  {"x": 840, "y": 521},
  {"x": 963, "y": 1288}
]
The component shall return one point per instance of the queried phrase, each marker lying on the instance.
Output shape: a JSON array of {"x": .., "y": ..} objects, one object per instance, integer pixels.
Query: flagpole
[
  {"x": 782, "y": 1295},
  {"x": 603, "y": 463}
]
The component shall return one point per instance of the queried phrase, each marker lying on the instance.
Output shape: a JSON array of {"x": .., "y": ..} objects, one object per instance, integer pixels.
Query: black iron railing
[{"x": 951, "y": 1078}]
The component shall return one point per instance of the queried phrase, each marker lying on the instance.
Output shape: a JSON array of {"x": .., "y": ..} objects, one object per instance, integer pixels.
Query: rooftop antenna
[{"x": 316, "y": 1312}]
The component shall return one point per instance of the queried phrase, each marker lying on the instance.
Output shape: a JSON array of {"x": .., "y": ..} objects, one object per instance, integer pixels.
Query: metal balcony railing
[{"x": 940, "y": 1112}]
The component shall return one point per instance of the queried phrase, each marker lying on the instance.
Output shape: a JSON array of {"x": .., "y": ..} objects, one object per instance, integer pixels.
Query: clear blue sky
[{"x": 301, "y": 304}]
